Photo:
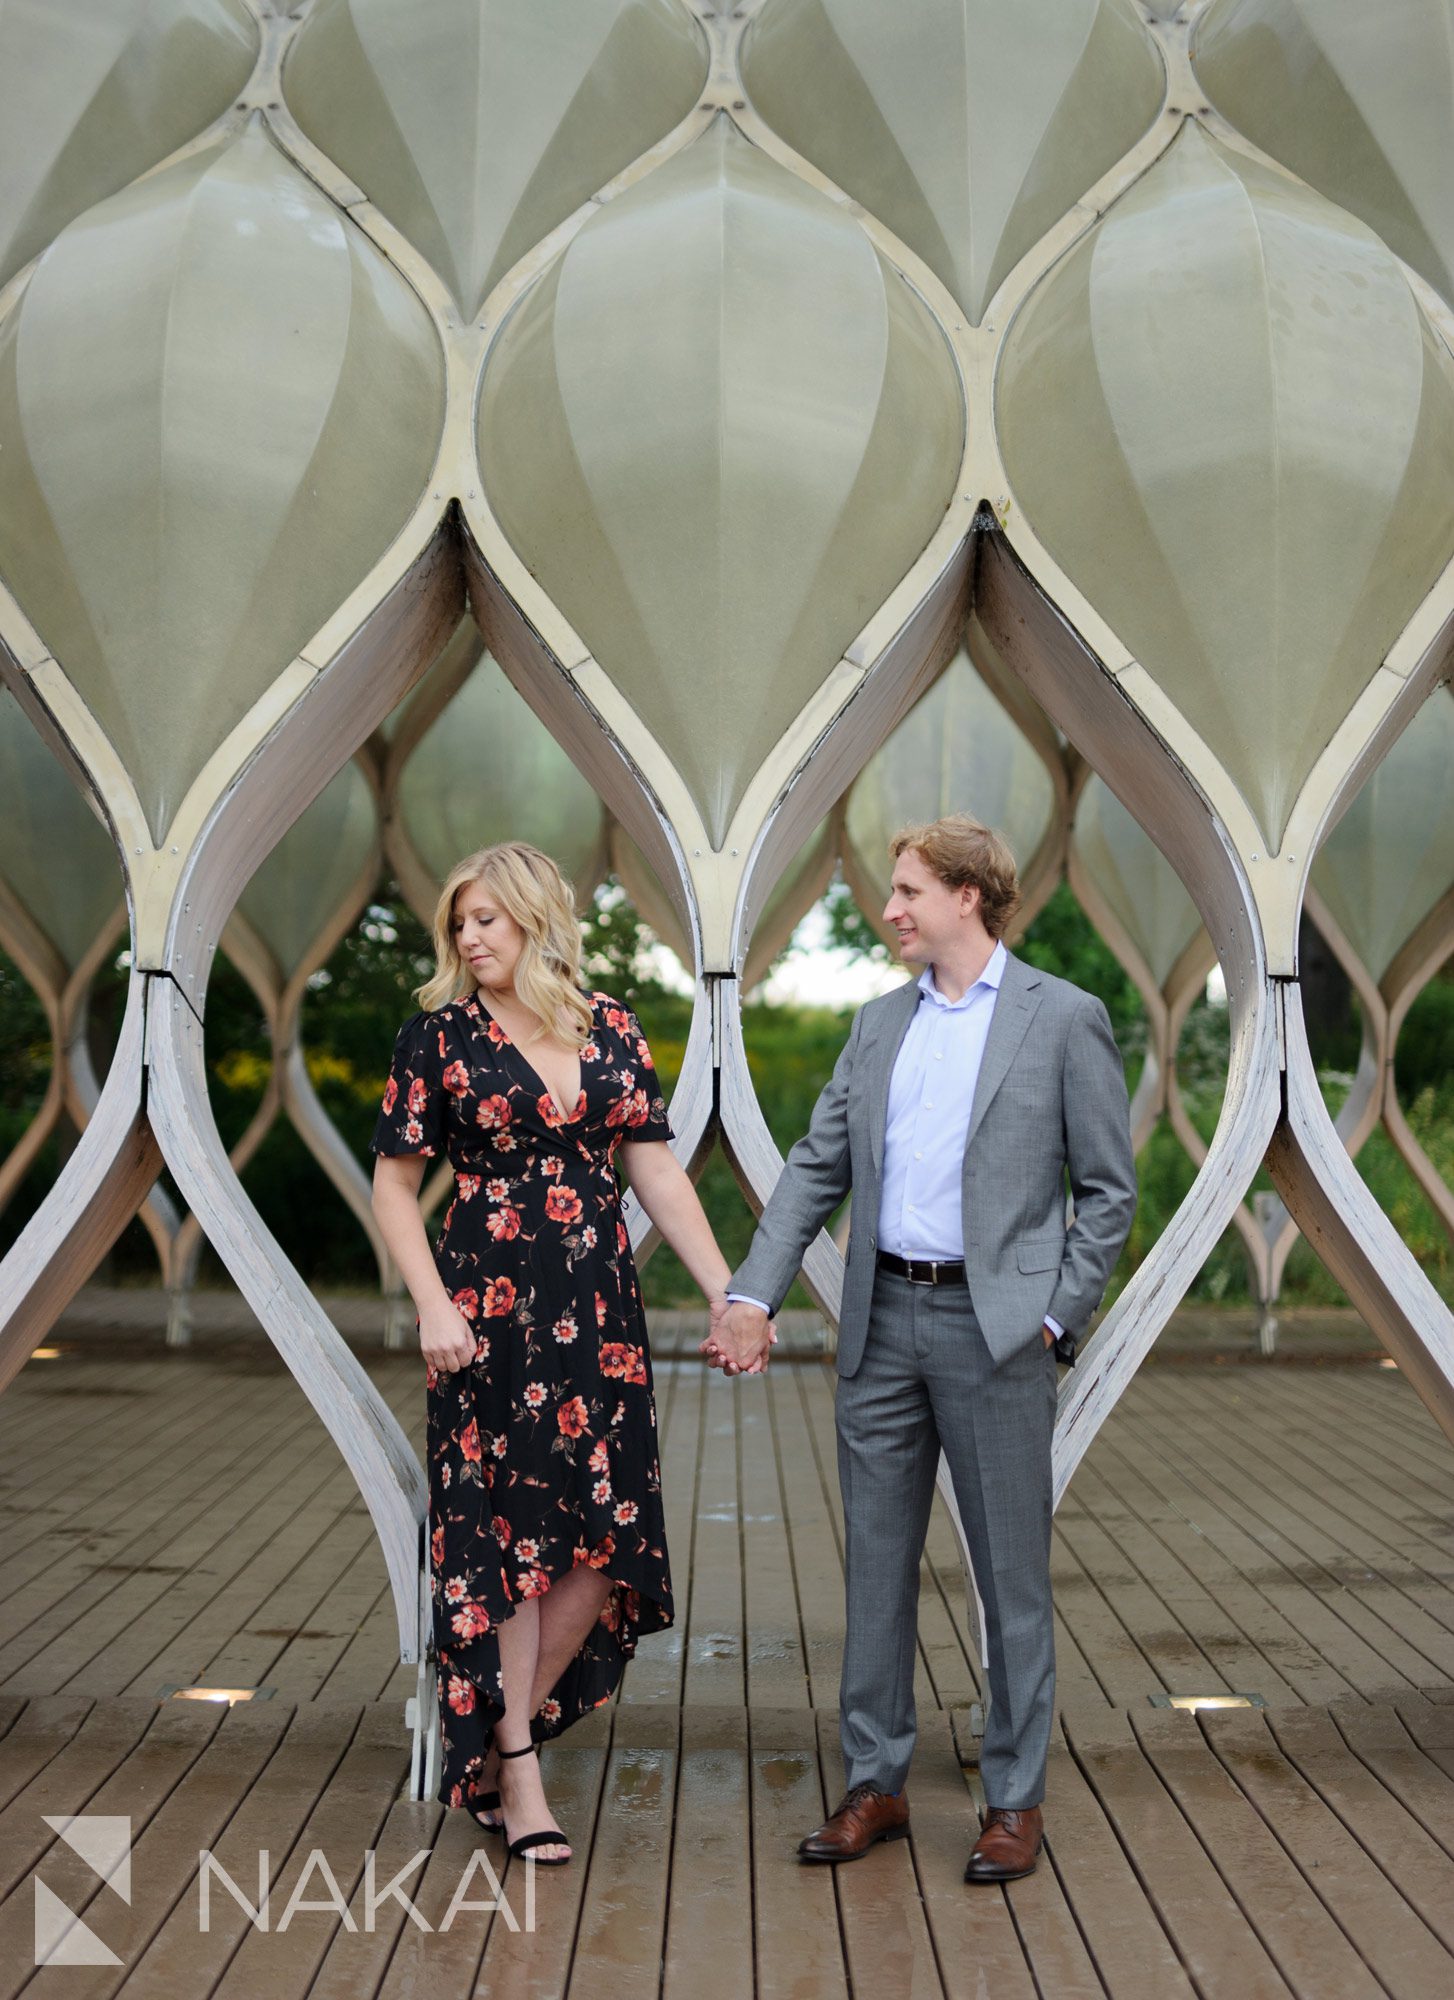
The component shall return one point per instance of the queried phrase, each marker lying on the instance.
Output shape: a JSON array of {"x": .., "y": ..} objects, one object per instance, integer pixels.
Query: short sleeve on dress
[
  {"x": 656, "y": 1124},
  {"x": 413, "y": 1115}
]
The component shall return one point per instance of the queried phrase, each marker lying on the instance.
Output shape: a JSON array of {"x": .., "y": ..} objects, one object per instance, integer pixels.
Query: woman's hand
[{"x": 445, "y": 1337}]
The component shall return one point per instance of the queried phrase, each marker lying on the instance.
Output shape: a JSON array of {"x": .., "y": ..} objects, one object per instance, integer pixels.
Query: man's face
[{"x": 928, "y": 915}]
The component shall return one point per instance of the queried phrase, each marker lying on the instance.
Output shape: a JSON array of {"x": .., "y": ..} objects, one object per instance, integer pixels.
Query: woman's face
[{"x": 488, "y": 939}]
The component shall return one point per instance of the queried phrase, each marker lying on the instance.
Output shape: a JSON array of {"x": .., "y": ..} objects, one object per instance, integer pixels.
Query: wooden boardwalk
[{"x": 1286, "y": 1530}]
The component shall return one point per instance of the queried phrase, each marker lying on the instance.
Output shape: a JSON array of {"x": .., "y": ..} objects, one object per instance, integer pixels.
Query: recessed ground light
[
  {"x": 177, "y": 1691},
  {"x": 1195, "y": 1701},
  {"x": 46, "y": 1353},
  {"x": 1388, "y": 1362}
]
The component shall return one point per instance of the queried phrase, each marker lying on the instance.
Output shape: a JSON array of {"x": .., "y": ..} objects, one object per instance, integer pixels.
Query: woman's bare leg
[
  {"x": 522, "y": 1795},
  {"x": 565, "y": 1616}
]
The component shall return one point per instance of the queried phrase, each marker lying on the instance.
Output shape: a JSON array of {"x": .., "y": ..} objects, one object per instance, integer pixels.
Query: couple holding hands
[{"x": 957, "y": 1106}]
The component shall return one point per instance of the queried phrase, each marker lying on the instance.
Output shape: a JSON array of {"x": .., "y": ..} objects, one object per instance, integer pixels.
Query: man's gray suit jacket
[{"x": 1051, "y": 1094}]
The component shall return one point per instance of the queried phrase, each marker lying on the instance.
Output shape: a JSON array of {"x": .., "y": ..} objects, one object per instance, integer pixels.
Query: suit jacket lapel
[
  {"x": 1015, "y": 1005},
  {"x": 885, "y": 1053}
]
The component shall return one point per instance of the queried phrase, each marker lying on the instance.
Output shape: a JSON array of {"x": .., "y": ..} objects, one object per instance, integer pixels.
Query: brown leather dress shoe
[
  {"x": 862, "y": 1816},
  {"x": 1008, "y": 1846}
]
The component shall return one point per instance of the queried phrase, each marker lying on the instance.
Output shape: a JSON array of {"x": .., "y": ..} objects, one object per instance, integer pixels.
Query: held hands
[{"x": 740, "y": 1338}]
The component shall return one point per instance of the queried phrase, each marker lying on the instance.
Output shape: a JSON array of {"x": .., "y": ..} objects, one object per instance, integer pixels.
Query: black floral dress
[{"x": 543, "y": 1450}]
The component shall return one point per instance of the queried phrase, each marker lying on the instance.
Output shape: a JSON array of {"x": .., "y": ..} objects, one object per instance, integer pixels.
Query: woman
[{"x": 548, "y": 1554}]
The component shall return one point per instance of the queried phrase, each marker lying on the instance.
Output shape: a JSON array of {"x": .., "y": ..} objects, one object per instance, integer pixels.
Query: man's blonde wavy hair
[
  {"x": 965, "y": 853},
  {"x": 528, "y": 886}
]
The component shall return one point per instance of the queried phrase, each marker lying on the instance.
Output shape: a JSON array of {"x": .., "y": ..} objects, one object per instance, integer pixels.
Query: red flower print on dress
[
  {"x": 527, "y": 1550},
  {"x": 623, "y": 1241},
  {"x": 470, "y": 1621},
  {"x": 572, "y": 1417},
  {"x": 615, "y": 1357},
  {"x": 535, "y": 1394},
  {"x": 469, "y": 1442},
  {"x": 643, "y": 1053},
  {"x": 639, "y": 1110},
  {"x": 466, "y": 1186},
  {"x": 562, "y": 1205},
  {"x": 493, "y": 1113},
  {"x": 553, "y": 1168},
  {"x": 550, "y": 1709},
  {"x": 414, "y": 1132},
  {"x": 549, "y": 1110},
  {"x": 460, "y": 1695},
  {"x": 600, "y": 1457},
  {"x": 600, "y": 1310},
  {"x": 436, "y": 1546},
  {"x": 467, "y": 1302},
  {"x": 636, "y": 1373},
  {"x": 457, "y": 1079},
  {"x": 565, "y": 1329},
  {"x": 601, "y": 1492},
  {"x": 418, "y": 1095},
  {"x": 498, "y": 1191},
  {"x": 625, "y": 1511},
  {"x": 391, "y": 1095},
  {"x": 482, "y": 1347},
  {"x": 497, "y": 1034},
  {"x": 501, "y": 1529},
  {"x": 532, "y": 1583},
  {"x": 619, "y": 1019},
  {"x": 499, "y": 1297},
  {"x": 603, "y": 1552},
  {"x": 503, "y": 1224}
]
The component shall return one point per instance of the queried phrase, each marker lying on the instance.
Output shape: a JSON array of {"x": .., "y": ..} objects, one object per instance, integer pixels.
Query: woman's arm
[
  {"x": 660, "y": 1184},
  {"x": 444, "y": 1334}
]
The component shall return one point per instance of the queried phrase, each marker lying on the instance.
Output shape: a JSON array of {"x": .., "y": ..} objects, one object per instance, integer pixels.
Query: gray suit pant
[{"x": 928, "y": 1380}]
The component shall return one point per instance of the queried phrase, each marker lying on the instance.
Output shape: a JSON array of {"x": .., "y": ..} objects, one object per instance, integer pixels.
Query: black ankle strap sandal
[{"x": 552, "y": 1837}]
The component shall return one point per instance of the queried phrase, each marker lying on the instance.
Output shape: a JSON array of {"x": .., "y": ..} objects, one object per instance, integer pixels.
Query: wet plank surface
[{"x": 1286, "y": 1531}]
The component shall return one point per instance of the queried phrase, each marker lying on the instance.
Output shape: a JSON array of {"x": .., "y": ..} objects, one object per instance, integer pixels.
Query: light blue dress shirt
[{"x": 931, "y": 1093}]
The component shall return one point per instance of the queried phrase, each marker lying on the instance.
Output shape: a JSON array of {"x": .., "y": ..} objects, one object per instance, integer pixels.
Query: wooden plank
[
  {"x": 1130, "y": 1513},
  {"x": 128, "y": 1763},
  {"x": 795, "y": 1906},
  {"x": 1380, "y": 1738},
  {"x": 1120, "y": 1667},
  {"x": 1418, "y": 1866},
  {"x": 619, "y": 1938},
  {"x": 311, "y": 1788},
  {"x": 169, "y": 1457},
  {"x": 1221, "y": 1954},
  {"x": 715, "y": 1639},
  {"x": 777, "y": 1668},
  {"x": 1121, "y": 1928},
  {"x": 656, "y": 1674},
  {"x": 1171, "y": 1658},
  {"x": 709, "y": 1949},
  {"x": 815, "y": 1538},
  {"x": 1402, "y": 1952},
  {"x": 1310, "y": 1952},
  {"x": 284, "y": 1493},
  {"x": 479, "y": 1949},
  {"x": 1221, "y": 1515},
  {"x": 886, "y": 1937},
  {"x": 1208, "y": 1542},
  {"x": 973, "y": 1926},
  {"x": 1304, "y": 1534}
]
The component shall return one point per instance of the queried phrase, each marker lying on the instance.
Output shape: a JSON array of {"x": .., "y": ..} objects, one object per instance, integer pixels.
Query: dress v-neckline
[{"x": 566, "y": 1117}]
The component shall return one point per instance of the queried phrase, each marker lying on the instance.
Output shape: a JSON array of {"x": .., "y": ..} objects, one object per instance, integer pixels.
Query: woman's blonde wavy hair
[{"x": 528, "y": 886}]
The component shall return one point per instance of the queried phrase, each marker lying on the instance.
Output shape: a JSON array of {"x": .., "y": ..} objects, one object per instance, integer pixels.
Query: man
[{"x": 956, "y": 1107}]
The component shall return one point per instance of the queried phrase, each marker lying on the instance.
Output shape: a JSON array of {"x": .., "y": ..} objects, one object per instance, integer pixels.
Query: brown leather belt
[{"x": 921, "y": 1271}]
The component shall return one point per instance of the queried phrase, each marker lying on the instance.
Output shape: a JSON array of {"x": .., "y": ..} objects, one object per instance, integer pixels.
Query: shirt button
[
  {"x": 918, "y": 1156},
  {"x": 930, "y": 1105},
  {"x": 938, "y": 1055}
]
